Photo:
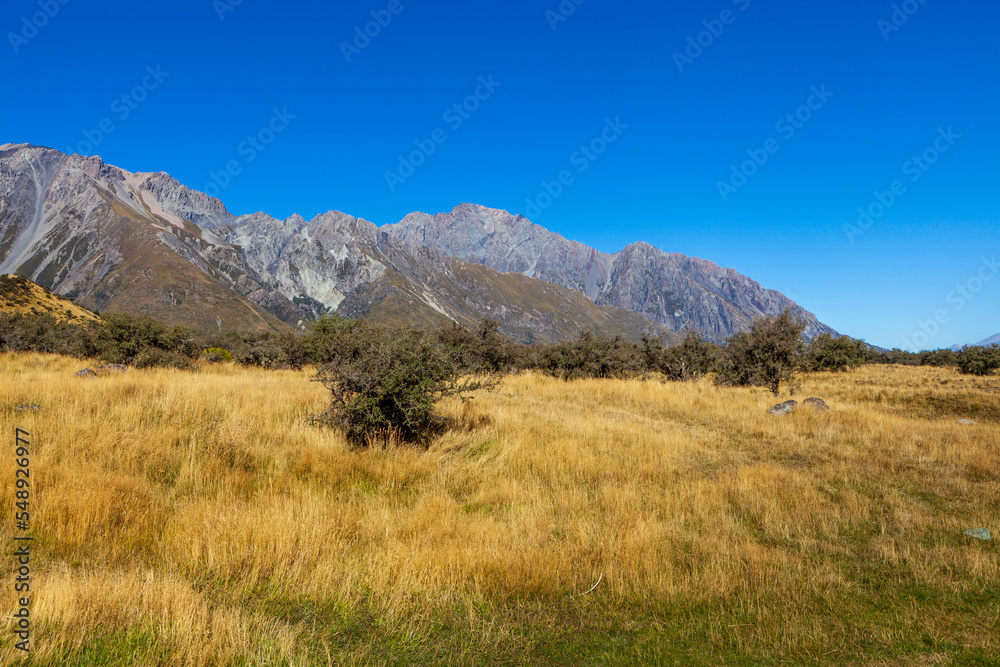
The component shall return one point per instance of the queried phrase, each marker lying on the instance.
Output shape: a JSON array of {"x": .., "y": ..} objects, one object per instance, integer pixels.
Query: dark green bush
[
  {"x": 122, "y": 337},
  {"x": 45, "y": 333},
  {"x": 765, "y": 356},
  {"x": 386, "y": 381},
  {"x": 592, "y": 356},
  {"x": 690, "y": 360},
  {"x": 328, "y": 337},
  {"x": 829, "y": 353},
  {"x": 485, "y": 350},
  {"x": 154, "y": 357},
  {"x": 979, "y": 360}
]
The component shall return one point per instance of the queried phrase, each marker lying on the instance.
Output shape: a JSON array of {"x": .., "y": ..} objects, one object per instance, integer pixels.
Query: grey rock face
[
  {"x": 323, "y": 259},
  {"x": 207, "y": 212},
  {"x": 346, "y": 264},
  {"x": 506, "y": 243},
  {"x": 670, "y": 289},
  {"x": 85, "y": 373},
  {"x": 102, "y": 237}
]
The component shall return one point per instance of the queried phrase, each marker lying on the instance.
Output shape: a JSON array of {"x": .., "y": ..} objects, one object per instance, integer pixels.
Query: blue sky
[{"x": 918, "y": 80}]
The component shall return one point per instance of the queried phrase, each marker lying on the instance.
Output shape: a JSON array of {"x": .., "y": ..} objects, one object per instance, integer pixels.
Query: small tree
[
  {"x": 384, "y": 381},
  {"x": 123, "y": 337},
  {"x": 765, "y": 356},
  {"x": 591, "y": 356},
  {"x": 827, "y": 353},
  {"x": 979, "y": 360},
  {"x": 485, "y": 350},
  {"x": 690, "y": 360}
]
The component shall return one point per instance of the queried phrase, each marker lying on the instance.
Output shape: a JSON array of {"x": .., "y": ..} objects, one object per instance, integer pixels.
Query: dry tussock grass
[{"x": 201, "y": 518}]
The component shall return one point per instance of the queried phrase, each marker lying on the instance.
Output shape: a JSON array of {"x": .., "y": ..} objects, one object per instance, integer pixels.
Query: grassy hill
[
  {"x": 201, "y": 519},
  {"x": 20, "y": 295}
]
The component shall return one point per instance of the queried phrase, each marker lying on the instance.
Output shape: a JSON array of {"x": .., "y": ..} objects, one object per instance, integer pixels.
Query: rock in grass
[
  {"x": 967, "y": 422},
  {"x": 979, "y": 534},
  {"x": 28, "y": 406},
  {"x": 85, "y": 373},
  {"x": 785, "y": 408},
  {"x": 111, "y": 369},
  {"x": 817, "y": 404}
]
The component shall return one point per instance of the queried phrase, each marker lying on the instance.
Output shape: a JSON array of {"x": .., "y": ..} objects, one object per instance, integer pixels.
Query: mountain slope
[
  {"x": 347, "y": 264},
  {"x": 18, "y": 295},
  {"x": 97, "y": 235},
  {"x": 670, "y": 289},
  {"x": 992, "y": 340}
]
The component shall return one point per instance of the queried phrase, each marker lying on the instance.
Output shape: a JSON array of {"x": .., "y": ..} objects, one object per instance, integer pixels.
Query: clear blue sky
[{"x": 892, "y": 90}]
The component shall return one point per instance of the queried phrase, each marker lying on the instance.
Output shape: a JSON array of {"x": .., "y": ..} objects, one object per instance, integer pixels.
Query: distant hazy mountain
[
  {"x": 112, "y": 240},
  {"x": 992, "y": 340}
]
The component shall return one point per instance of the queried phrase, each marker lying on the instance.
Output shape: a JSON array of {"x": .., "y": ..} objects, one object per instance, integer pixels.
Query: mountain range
[
  {"x": 109, "y": 239},
  {"x": 992, "y": 340}
]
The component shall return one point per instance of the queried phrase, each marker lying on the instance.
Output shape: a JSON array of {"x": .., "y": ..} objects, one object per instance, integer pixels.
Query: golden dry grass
[
  {"x": 29, "y": 298},
  {"x": 201, "y": 519}
]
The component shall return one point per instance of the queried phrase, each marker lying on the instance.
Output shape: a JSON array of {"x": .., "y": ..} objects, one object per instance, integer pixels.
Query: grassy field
[{"x": 201, "y": 519}]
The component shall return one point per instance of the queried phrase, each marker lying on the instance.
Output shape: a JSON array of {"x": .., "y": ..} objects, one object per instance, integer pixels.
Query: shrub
[
  {"x": 269, "y": 350},
  {"x": 154, "y": 357},
  {"x": 765, "y": 356},
  {"x": 45, "y": 333},
  {"x": 827, "y": 353},
  {"x": 387, "y": 382},
  {"x": 940, "y": 358},
  {"x": 979, "y": 360},
  {"x": 122, "y": 337},
  {"x": 484, "y": 351},
  {"x": 329, "y": 334},
  {"x": 690, "y": 360},
  {"x": 591, "y": 356},
  {"x": 264, "y": 352}
]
